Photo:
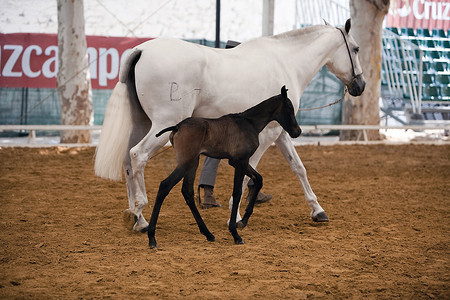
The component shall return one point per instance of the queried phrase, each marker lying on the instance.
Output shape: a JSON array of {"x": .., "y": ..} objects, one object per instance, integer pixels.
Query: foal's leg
[
  {"x": 164, "y": 189},
  {"x": 286, "y": 147},
  {"x": 188, "y": 193},
  {"x": 266, "y": 138},
  {"x": 257, "y": 178},
  {"x": 237, "y": 192}
]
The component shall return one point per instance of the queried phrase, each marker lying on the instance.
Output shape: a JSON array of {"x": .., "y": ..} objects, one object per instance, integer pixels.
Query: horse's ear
[
  {"x": 284, "y": 91},
  {"x": 348, "y": 25}
]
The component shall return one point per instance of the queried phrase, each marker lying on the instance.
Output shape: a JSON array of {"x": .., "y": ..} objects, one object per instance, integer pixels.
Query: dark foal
[{"x": 233, "y": 136}]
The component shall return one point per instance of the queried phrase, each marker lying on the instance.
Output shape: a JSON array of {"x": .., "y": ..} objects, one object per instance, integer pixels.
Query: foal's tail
[
  {"x": 117, "y": 125},
  {"x": 171, "y": 128}
]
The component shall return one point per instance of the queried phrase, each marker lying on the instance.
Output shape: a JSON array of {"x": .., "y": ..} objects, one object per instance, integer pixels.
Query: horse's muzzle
[
  {"x": 295, "y": 133},
  {"x": 356, "y": 87}
]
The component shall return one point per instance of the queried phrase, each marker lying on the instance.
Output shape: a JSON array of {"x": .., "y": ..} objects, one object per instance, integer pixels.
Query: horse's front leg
[
  {"x": 286, "y": 147},
  {"x": 134, "y": 172},
  {"x": 237, "y": 192}
]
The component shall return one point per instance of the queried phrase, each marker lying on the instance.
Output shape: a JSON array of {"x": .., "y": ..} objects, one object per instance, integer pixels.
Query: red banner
[
  {"x": 31, "y": 59},
  {"x": 416, "y": 14}
]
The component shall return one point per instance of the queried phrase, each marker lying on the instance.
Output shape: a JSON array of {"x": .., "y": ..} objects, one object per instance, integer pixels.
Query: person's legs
[
  {"x": 209, "y": 172},
  {"x": 207, "y": 181}
]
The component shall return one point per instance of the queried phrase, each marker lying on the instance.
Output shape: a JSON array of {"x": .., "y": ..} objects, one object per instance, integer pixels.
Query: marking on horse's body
[{"x": 175, "y": 95}]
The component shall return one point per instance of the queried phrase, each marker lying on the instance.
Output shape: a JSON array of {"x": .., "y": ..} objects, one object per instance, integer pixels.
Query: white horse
[{"x": 165, "y": 80}]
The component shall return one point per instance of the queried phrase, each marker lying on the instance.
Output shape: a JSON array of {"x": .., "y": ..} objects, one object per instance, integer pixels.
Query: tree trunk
[
  {"x": 74, "y": 85},
  {"x": 367, "y": 18}
]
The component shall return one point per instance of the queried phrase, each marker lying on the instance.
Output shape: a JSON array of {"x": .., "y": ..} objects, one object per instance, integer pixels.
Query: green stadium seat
[
  {"x": 446, "y": 44},
  {"x": 426, "y": 67},
  {"x": 408, "y": 32},
  {"x": 439, "y": 33},
  {"x": 423, "y": 32},
  {"x": 415, "y": 42},
  {"x": 417, "y": 54},
  {"x": 428, "y": 79},
  {"x": 430, "y": 93},
  {"x": 428, "y": 44},
  {"x": 442, "y": 79},
  {"x": 433, "y": 54},
  {"x": 440, "y": 66},
  {"x": 445, "y": 92}
]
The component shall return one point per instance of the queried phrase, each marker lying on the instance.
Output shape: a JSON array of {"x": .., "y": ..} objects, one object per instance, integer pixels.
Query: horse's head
[
  {"x": 344, "y": 63},
  {"x": 286, "y": 117}
]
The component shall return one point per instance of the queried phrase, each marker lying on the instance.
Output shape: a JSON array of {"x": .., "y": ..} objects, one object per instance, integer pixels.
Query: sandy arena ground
[{"x": 62, "y": 234}]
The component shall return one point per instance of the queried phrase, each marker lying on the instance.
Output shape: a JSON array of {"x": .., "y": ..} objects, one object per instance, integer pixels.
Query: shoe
[
  {"x": 261, "y": 198},
  {"x": 208, "y": 198}
]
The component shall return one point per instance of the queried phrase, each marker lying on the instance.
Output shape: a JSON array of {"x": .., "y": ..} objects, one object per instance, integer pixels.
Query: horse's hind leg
[
  {"x": 286, "y": 147},
  {"x": 132, "y": 219},
  {"x": 139, "y": 156},
  {"x": 188, "y": 194}
]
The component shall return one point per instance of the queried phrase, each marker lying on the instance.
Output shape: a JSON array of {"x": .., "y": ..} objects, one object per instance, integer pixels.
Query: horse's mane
[{"x": 299, "y": 32}]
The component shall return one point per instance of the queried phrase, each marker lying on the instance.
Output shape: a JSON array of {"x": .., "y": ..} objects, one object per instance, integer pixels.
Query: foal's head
[{"x": 286, "y": 115}]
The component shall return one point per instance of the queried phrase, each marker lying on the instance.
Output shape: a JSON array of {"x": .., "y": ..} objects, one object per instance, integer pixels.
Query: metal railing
[
  {"x": 305, "y": 128},
  {"x": 402, "y": 69}
]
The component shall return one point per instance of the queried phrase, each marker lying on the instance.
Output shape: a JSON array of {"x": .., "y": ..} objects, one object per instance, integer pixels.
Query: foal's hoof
[
  {"x": 129, "y": 219},
  {"x": 239, "y": 242},
  {"x": 321, "y": 217},
  {"x": 152, "y": 244}
]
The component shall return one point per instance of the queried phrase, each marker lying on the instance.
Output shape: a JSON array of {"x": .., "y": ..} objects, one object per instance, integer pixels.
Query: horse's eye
[{"x": 356, "y": 49}]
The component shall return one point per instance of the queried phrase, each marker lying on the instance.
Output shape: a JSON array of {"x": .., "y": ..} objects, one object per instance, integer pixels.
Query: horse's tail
[
  {"x": 117, "y": 124},
  {"x": 171, "y": 128}
]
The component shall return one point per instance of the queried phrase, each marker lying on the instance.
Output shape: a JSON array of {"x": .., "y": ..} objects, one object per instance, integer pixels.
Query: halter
[{"x": 349, "y": 54}]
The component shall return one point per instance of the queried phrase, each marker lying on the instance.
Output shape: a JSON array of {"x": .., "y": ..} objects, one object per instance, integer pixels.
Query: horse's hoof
[
  {"x": 239, "y": 242},
  {"x": 321, "y": 217},
  {"x": 129, "y": 219},
  {"x": 241, "y": 225},
  {"x": 211, "y": 238}
]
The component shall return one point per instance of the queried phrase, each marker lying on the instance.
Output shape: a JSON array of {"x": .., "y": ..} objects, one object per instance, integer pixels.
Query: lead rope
[{"x": 326, "y": 105}]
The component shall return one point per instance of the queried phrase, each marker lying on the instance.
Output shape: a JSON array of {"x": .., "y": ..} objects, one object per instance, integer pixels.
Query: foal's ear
[
  {"x": 348, "y": 25},
  {"x": 284, "y": 92}
]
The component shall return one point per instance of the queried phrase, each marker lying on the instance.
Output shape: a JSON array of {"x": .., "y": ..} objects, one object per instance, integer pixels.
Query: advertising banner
[
  {"x": 431, "y": 14},
  {"x": 31, "y": 59}
]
